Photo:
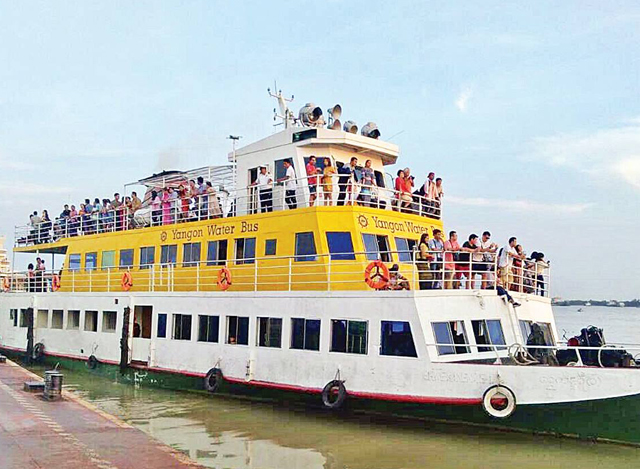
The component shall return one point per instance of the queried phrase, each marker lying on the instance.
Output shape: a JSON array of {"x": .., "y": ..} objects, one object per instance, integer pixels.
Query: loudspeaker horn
[{"x": 335, "y": 111}]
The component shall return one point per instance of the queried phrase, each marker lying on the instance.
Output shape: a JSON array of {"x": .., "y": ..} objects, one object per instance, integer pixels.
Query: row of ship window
[
  {"x": 340, "y": 248},
  {"x": 347, "y": 336}
]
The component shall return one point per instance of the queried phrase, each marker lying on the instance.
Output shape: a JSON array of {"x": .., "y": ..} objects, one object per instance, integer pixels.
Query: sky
[{"x": 529, "y": 111}]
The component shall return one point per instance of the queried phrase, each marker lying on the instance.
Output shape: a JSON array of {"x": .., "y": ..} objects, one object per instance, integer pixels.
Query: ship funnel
[
  {"x": 350, "y": 127},
  {"x": 370, "y": 130},
  {"x": 311, "y": 115}
]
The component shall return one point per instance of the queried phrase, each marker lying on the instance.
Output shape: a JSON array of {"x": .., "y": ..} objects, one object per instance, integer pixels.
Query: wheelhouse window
[
  {"x": 162, "y": 326},
  {"x": 305, "y": 247},
  {"x": 217, "y": 252},
  {"x": 525, "y": 327},
  {"x": 405, "y": 248},
  {"x": 57, "y": 319},
  {"x": 91, "y": 321},
  {"x": 305, "y": 334},
  {"x": 42, "y": 319},
  {"x": 208, "y": 328},
  {"x": 74, "y": 262},
  {"x": 109, "y": 319},
  {"x": 182, "y": 327},
  {"x": 24, "y": 318},
  {"x": 190, "y": 254},
  {"x": 280, "y": 170},
  {"x": 168, "y": 254},
  {"x": 245, "y": 250},
  {"x": 237, "y": 330},
  {"x": 270, "y": 332},
  {"x": 349, "y": 336},
  {"x": 451, "y": 332},
  {"x": 376, "y": 247},
  {"x": 90, "y": 261},
  {"x": 270, "y": 246},
  {"x": 147, "y": 257},
  {"x": 108, "y": 260},
  {"x": 73, "y": 320},
  {"x": 340, "y": 246},
  {"x": 488, "y": 332},
  {"x": 396, "y": 339},
  {"x": 126, "y": 258}
]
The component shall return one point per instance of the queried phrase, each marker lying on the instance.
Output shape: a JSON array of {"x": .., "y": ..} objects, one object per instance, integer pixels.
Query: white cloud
[
  {"x": 463, "y": 98},
  {"x": 613, "y": 152},
  {"x": 519, "y": 205}
]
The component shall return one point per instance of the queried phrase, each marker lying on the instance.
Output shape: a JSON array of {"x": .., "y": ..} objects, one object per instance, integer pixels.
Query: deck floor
[{"x": 70, "y": 433}]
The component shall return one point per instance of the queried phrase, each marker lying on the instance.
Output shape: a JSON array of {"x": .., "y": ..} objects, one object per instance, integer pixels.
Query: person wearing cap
[{"x": 397, "y": 281}]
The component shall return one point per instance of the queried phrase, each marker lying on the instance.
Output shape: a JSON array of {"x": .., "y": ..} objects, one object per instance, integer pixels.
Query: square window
[
  {"x": 237, "y": 330},
  {"x": 24, "y": 317},
  {"x": 270, "y": 332},
  {"x": 162, "y": 325},
  {"x": 126, "y": 258},
  {"x": 270, "y": 247},
  {"x": 109, "y": 319},
  {"x": 91, "y": 321},
  {"x": 42, "y": 319},
  {"x": 217, "y": 252},
  {"x": 349, "y": 336},
  {"x": 452, "y": 332},
  {"x": 305, "y": 247},
  {"x": 73, "y": 320},
  {"x": 305, "y": 334},
  {"x": 488, "y": 332},
  {"x": 405, "y": 249},
  {"x": 182, "y": 326},
  {"x": 108, "y": 260},
  {"x": 190, "y": 254},
  {"x": 396, "y": 339},
  {"x": 74, "y": 262},
  {"x": 340, "y": 246},
  {"x": 147, "y": 257},
  {"x": 208, "y": 328},
  {"x": 90, "y": 261},
  {"x": 168, "y": 254},
  {"x": 13, "y": 316},
  {"x": 245, "y": 250},
  {"x": 376, "y": 247},
  {"x": 57, "y": 319}
]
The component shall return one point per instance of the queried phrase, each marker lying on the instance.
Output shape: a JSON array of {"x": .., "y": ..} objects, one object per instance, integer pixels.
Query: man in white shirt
[
  {"x": 486, "y": 263},
  {"x": 289, "y": 185},
  {"x": 264, "y": 182},
  {"x": 505, "y": 262}
]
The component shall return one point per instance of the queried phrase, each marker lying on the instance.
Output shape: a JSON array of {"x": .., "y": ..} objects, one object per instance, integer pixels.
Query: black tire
[
  {"x": 213, "y": 380},
  {"x": 38, "y": 352},
  {"x": 92, "y": 362},
  {"x": 334, "y": 394}
]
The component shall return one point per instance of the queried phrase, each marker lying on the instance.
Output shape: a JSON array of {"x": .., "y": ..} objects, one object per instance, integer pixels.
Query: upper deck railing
[
  {"x": 223, "y": 204},
  {"x": 312, "y": 272}
]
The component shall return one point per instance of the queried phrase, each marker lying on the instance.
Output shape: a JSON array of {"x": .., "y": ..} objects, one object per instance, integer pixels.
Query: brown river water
[{"x": 229, "y": 433}]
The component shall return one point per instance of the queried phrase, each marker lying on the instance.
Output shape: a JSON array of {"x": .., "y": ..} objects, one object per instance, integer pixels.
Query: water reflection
[{"x": 222, "y": 432}]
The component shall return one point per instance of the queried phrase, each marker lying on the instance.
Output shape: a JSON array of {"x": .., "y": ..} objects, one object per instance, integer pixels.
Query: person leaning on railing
[
  {"x": 436, "y": 245},
  {"x": 423, "y": 258},
  {"x": 289, "y": 180}
]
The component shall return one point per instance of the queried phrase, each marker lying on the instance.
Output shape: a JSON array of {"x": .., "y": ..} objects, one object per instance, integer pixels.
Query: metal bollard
[{"x": 53, "y": 385}]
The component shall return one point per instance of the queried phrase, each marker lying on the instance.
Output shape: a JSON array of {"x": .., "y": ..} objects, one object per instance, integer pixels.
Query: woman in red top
[{"x": 403, "y": 192}]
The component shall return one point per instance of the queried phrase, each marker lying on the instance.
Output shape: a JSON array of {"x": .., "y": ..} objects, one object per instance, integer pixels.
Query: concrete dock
[{"x": 70, "y": 433}]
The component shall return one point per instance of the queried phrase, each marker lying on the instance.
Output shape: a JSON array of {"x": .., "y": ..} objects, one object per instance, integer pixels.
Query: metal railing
[
  {"x": 320, "y": 272},
  {"x": 169, "y": 210}
]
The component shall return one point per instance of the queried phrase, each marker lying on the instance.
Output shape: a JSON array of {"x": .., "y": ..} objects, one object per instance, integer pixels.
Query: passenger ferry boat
[{"x": 269, "y": 290}]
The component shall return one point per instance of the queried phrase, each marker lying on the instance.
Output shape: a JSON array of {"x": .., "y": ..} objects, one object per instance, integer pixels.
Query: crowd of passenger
[
  {"x": 477, "y": 263},
  {"x": 190, "y": 201},
  {"x": 357, "y": 185}
]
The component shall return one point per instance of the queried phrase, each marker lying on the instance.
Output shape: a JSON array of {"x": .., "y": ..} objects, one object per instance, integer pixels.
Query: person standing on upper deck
[
  {"x": 368, "y": 180},
  {"x": 346, "y": 174},
  {"x": 312, "y": 179},
  {"x": 264, "y": 182},
  {"x": 136, "y": 203},
  {"x": 214, "y": 204},
  {"x": 203, "y": 199},
  {"x": 438, "y": 196},
  {"x": 506, "y": 256},
  {"x": 327, "y": 181},
  {"x": 451, "y": 248},
  {"x": 289, "y": 185}
]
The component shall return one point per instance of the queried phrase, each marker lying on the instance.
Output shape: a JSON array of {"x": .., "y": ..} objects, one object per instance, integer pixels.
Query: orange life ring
[
  {"x": 6, "y": 284},
  {"x": 127, "y": 281},
  {"x": 55, "y": 282},
  {"x": 224, "y": 278},
  {"x": 376, "y": 275}
]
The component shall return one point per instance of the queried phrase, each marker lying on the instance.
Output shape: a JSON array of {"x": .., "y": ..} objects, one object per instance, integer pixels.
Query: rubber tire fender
[
  {"x": 213, "y": 380},
  {"x": 38, "y": 351},
  {"x": 328, "y": 390},
  {"x": 92, "y": 362},
  {"x": 496, "y": 413}
]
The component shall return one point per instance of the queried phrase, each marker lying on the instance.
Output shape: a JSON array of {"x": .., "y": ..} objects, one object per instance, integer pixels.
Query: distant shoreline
[{"x": 607, "y": 303}]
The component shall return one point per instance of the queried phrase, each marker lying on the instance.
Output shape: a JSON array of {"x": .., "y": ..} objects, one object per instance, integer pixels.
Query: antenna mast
[{"x": 285, "y": 114}]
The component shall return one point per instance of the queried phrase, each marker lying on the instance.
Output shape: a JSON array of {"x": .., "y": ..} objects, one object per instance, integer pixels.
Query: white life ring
[{"x": 499, "y": 402}]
